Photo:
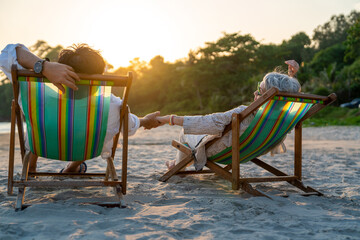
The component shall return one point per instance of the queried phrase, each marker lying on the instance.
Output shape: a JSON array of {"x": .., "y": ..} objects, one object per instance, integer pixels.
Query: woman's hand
[{"x": 293, "y": 67}]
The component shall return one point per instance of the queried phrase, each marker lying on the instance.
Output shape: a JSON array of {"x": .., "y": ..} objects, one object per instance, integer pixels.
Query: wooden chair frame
[
  {"x": 119, "y": 186},
  {"x": 231, "y": 172}
]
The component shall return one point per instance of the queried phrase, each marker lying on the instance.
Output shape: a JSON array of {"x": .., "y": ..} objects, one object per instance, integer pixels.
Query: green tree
[
  {"x": 334, "y": 31},
  {"x": 352, "y": 42},
  {"x": 295, "y": 48},
  {"x": 325, "y": 57},
  {"x": 43, "y": 50},
  {"x": 6, "y": 95}
]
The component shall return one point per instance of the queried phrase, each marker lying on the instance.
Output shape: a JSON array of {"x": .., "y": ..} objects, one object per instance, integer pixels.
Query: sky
[{"x": 124, "y": 30}]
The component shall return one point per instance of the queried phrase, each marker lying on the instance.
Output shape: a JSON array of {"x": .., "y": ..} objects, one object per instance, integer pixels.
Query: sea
[{"x": 5, "y": 127}]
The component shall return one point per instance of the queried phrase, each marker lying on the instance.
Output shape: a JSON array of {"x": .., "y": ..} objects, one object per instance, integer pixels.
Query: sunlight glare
[{"x": 132, "y": 32}]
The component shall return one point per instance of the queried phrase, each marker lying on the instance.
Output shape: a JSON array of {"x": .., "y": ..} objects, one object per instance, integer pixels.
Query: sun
[{"x": 125, "y": 32}]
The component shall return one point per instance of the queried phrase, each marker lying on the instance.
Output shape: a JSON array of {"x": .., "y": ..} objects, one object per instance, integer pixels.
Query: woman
[{"x": 198, "y": 130}]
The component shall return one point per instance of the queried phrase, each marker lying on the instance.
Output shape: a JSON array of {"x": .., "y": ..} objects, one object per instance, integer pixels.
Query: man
[{"x": 78, "y": 58}]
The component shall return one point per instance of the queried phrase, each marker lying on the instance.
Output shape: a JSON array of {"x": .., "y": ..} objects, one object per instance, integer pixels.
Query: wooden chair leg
[
  {"x": 107, "y": 173},
  {"x": 298, "y": 152},
  {"x": 24, "y": 176},
  {"x": 114, "y": 177},
  {"x": 235, "y": 152},
  {"x": 11, "y": 151},
  {"x": 125, "y": 152}
]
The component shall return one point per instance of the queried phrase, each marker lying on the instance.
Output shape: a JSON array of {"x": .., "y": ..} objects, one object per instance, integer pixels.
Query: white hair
[{"x": 282, "y": 82}]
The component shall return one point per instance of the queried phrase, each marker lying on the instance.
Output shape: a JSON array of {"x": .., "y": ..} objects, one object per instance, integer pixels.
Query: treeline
[{"x": 224, "y": 73}]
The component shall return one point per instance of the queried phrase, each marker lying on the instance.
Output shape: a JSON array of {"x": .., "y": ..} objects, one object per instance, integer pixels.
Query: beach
[{"x": 197, "y": 207}]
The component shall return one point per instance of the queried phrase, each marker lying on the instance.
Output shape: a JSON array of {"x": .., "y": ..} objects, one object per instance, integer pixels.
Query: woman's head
[
  {"x": 281, "y": 81},
  {"x": 83, "y": 59}
]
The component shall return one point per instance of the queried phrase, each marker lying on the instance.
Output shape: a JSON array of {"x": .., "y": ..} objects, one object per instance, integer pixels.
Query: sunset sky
[{"x": 123, "y": 30}]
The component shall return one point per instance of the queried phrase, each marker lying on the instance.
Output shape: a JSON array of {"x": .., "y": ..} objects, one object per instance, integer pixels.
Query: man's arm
[{"x": 56, "y": 73}]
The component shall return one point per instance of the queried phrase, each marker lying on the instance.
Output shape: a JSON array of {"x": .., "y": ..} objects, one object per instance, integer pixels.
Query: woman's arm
[
  {"x": 175, "y": 120},
  {"x": 212, "y": 124}
]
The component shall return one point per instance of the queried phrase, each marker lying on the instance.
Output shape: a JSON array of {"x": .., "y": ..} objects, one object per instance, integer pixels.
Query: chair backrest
[
  {"x": 69, "y": 126},
  {"x": 273, "y": 120}
]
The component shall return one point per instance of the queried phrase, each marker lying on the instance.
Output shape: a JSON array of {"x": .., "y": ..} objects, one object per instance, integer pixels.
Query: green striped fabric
[
  {"x": 270, "y": 125},
  {"x": 68, "y": 126}
]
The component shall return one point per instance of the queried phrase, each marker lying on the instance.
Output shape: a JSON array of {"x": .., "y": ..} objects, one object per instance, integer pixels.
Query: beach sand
[{"x": 198, "y": 207}]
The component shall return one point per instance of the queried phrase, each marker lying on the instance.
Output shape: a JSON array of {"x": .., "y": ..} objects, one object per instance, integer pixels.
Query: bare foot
[
  {"x": 75, "y": 167},
  {"x": 170, "y": 164}
]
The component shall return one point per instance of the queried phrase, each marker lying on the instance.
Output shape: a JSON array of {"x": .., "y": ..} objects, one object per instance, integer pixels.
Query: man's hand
[
  {"x": 59, "y": 74},
  {"x": 56, "y": 73},
  {"x": 150, "y": 121},
  {"x": 293, "y": 67}
]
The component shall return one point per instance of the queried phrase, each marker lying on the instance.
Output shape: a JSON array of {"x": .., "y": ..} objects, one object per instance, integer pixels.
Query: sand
[{"x": 198, "y": 207}]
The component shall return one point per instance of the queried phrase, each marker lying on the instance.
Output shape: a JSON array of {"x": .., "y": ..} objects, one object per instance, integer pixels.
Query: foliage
[
  {"x": 352, "y": 42},
  {"x": 334, "y": 31},
  {"x": 44, "y": 50},
  {"x": 296, "y": 47},
  {"x": 327, "y": 56},
  {"x": 6, "y": 97}
]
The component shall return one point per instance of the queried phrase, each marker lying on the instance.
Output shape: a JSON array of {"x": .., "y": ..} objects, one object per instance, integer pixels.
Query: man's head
[{"x": 83, "y": 59}]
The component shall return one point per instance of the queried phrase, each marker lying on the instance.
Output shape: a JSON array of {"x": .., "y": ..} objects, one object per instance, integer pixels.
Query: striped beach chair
[
  {"x": 69, "y": 126},
  {"x": 277, "y": 113}
]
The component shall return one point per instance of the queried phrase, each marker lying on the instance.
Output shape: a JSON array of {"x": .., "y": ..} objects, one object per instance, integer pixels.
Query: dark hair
[{"x": 82, "y": 59}]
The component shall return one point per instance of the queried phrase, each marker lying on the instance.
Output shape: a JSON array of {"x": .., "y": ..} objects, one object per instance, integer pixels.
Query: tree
[
  {"x": 325, "y": 57},
  {"x": 334, "y": 31},
  {"x": 43, "y": 50},
  {"x": 352, "y": 42},
  {"x": 295, "y": 48},
  {"x": 6, "y": 95}
]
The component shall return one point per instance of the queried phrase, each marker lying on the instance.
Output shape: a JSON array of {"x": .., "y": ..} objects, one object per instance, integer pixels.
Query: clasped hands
[{"x": 154, "y": 120}]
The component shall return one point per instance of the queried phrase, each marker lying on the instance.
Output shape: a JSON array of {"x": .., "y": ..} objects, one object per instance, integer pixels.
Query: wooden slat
[
  {"x": 219, "y": 170},
  {"x": 194, "y": 172},
  {"x": 235, "y": 152},
  {"x": 125, "y": 150},
  {"x": 181, "y": 147},
  {"x": 298, "y": 151},
  {"x": 120, "y": 81},
  {"x": 268, "y": 167},
  {"x": 80, "y": 183},
  {"x": 303, "y": 95},
  {"x": 11, "y": 150},
  {"x": 55, "y": 174},
  {"x": 24, "y": 177},
  {"x": 268, "y": 179}
]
